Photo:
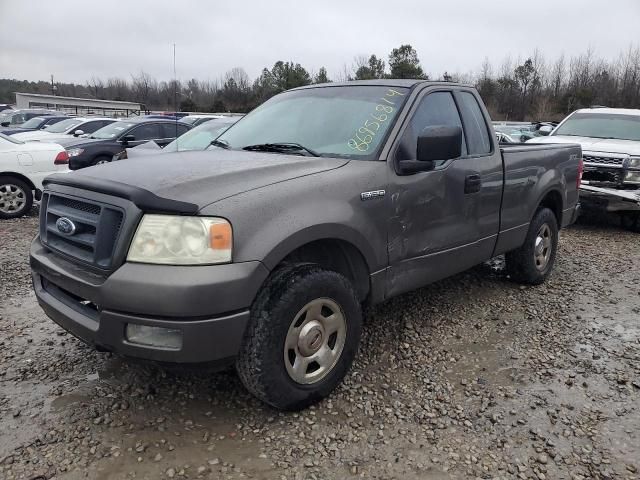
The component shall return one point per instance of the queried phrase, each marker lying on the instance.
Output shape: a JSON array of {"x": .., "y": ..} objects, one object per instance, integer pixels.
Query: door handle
[{"x": 473, "y": 183}]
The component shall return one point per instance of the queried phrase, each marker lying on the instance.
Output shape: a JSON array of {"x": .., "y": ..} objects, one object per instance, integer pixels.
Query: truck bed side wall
[{"x": 532, "y": 173}]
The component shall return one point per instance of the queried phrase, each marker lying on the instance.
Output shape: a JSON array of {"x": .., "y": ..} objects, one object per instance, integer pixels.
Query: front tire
[
  {"x": 302, "y": 337},
  {"x": 16, "y": 197},
  {"x": 533, "y": 262}
]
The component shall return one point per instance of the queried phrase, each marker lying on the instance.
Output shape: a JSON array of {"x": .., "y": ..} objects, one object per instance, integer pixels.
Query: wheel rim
[
  {"x": 542, "y": 247},
  {"x": 101, "y": 162},
  {"x": 12, "y": 198},
  {"x": 315, "y": 341}
]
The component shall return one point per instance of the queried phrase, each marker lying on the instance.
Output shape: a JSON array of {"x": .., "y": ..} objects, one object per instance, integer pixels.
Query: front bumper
[
  {"x": 209, "y": 305},
  {"x": 609, "y": 199}
]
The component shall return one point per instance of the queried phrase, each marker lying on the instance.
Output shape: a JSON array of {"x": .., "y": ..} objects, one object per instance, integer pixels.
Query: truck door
[{"x": 445, "y": 220}]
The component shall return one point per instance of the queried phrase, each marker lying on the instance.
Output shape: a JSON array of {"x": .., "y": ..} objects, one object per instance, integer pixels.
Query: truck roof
[
  {"x": 383, "y": 82},
  {"x": 620, "y": 111}
]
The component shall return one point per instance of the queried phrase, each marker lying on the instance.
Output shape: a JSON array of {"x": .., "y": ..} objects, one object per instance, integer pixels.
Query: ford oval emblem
[{"x": 65, "y": 226}]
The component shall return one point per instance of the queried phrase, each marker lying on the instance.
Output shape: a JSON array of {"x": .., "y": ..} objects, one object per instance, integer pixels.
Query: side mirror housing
[
  {"x": 545, "y": 130},
  {"x": 128, "y": 138},
  {"x": 77, "y": 133},
  {"x": 440, "y": 142},
  {"x": 437, "y": 143}
]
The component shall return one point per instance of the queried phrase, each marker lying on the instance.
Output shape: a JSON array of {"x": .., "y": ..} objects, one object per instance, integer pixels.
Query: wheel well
[
  {"x": 19, "y": 176},
  {"x": 338, "y": 256},
  {"x": 553, "y": 201}
]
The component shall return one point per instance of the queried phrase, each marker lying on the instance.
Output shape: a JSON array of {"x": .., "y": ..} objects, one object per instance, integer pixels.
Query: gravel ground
[{"x": 471, "y": 377}]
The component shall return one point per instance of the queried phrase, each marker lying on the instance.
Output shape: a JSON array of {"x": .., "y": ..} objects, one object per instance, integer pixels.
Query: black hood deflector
[{"x": 144, "y": 199}]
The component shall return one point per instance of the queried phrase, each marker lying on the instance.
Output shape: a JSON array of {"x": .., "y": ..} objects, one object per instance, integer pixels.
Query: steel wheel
[
  {"x": 315, "y": 341},
  {"x": 12, "y": 198},
  {"x": 103, "y": 161},
  {"x": 542, "y": 247}
]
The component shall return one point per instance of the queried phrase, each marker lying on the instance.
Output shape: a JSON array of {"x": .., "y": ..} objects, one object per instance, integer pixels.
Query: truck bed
[{"x": 529, "y": 172}]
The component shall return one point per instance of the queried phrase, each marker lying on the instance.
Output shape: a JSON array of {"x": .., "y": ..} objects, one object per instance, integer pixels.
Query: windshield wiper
[
  {"x": 283, "y": 147},
  {"x": 219, "y": 143}
]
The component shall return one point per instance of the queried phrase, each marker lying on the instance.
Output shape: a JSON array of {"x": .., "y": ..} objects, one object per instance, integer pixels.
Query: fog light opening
[{"x": 158, "y": 337}]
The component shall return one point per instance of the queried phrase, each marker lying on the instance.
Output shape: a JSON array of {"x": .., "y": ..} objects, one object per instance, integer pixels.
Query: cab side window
[
  {"x": 148, "y": 131},
  {"x": 173, "y": 130},
  {"x": 475, "y": 125},
  {"x": 91, "y": 127},
  {"x": 437, "y": 108}
]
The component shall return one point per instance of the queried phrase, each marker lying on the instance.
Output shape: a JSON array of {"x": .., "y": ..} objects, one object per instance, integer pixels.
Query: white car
[
  {"x": 610, "y": 141},
  {"x": 23, "y": 166},
  {"x": 73, "y": 127}
]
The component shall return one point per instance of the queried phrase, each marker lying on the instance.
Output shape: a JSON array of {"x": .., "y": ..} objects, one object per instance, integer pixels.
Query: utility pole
[
  {"x": 54, "y": 87},
  {"x": 175, "y": 82}
]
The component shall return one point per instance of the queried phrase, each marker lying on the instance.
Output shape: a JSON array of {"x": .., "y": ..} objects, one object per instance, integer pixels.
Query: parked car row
[
  {"x": 15, "y": 118},
  {"x": 199, "y": 138},
  {"x": 40, "y": 142},
  {"x": 35, "y": 123},
  {"x": 101, "y": 146},
  {"x": 71, "y": 127}
]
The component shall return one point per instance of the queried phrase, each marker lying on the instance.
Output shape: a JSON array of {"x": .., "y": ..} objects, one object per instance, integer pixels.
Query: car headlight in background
[
  {"x": 179, "y": 240},
  {"x": 632, "y": 177},
  {"x": 74, "y": 152},
  {"x": 633, "y": 162}
]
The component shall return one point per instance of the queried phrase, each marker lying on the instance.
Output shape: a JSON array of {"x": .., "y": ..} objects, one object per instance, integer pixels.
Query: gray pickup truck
[{"x": 262, "y": 250}]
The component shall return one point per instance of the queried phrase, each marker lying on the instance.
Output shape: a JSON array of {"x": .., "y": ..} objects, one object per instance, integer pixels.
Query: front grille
[
  {"x": 97, "y": 227},
  {"x": 618, "y": 161},
  {"x": 610, "y": 176}
]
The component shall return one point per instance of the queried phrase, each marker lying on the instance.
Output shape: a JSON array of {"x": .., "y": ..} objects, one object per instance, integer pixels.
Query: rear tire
[
  {"x": 533, "y": 262},
  {"x": 302, "y": 337},
  {"x": 101, "y": 160},
  {"x": 16, "y": 197}
]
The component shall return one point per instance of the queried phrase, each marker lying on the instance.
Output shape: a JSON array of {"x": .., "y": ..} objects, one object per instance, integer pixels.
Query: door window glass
[{"x": 437, "y": 108}]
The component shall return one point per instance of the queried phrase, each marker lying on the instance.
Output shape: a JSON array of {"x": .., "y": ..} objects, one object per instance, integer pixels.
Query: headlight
[
  {"x": 633, "y": 162},
  {"x": 74, "y": 152},
  {"x": 176, "y": 240},
  {"x": 632, "y": 177}
]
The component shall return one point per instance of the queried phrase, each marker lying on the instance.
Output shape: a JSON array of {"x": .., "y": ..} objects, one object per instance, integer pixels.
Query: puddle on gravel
[{"x": 488, "y": 358}]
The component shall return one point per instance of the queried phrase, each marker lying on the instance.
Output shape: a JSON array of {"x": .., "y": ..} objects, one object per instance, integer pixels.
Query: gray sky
[{"x": 75, "y": 40}]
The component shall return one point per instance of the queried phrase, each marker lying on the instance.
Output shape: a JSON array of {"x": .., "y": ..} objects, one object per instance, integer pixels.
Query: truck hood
[
  {"x": 599, "y": 145},
  {"x": 202, "y": 178}
]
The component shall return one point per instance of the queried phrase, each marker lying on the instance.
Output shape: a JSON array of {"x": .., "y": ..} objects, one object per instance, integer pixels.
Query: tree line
[{"x": 520, "y": 89}]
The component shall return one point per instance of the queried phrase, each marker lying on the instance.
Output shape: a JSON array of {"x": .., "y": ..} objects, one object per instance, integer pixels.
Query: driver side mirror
[
  {"x": 128, "y": 138},
  {"x": 5, "y": 124},
  {"x": 436, "y": 143},
  {"x": 77, "y": 133}
]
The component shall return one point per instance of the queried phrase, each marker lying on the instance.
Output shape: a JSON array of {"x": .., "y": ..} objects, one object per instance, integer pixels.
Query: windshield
[
  {"x": 348, "y": 121},
  {"x": 200, "y": 137},
  {"x": 65, "y": 126},
  {"x": 33, "y": 123},
  {"x": 601, "y": 125},
  {"x": 16, "y": 118},
  {"x": 112, "y": 130}
]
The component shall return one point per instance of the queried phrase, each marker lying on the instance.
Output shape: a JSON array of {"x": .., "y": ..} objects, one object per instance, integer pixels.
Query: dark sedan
[
  {"x": 103, "y": 144},
  {"x": 36, "y": 123}
]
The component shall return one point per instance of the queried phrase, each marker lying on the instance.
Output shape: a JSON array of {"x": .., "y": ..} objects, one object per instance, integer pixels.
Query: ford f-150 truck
[{"x": 263, "y": 249}]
